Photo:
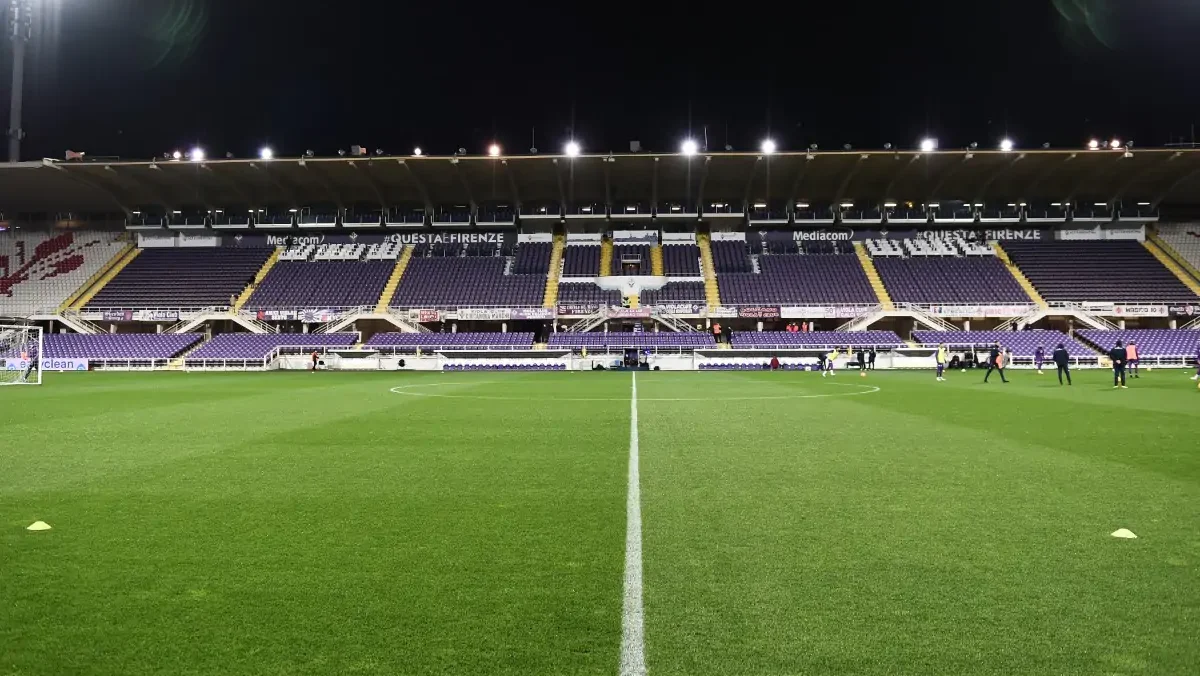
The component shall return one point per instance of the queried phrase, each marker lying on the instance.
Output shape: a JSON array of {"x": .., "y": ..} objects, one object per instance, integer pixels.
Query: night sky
[{"x": 138, "y": 78}]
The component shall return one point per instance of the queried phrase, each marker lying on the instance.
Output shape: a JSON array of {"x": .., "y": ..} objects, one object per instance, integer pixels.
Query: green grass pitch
[{"x": 296, "y": 523}]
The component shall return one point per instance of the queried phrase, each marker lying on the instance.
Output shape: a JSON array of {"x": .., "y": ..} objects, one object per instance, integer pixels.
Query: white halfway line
[{"x": 633, "y": 638}]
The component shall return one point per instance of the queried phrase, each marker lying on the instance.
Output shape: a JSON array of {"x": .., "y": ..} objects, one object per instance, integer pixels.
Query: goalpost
[{"x": 20, "y": 349}]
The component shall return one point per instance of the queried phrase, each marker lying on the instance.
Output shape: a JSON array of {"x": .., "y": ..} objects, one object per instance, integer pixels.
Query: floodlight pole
[{"x": 20, "y": 20}]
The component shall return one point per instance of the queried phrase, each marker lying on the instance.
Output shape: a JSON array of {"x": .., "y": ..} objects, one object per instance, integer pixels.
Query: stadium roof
[{"x": 1156, "y": 176}]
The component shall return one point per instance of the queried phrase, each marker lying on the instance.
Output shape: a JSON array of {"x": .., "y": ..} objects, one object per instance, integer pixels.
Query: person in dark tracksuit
[
  {"x": 1063, "y": 361},
  {"x": 871, "y": 358},
  {"x": 995, "y": 363},
  {"x": 1118, "y": 356}
]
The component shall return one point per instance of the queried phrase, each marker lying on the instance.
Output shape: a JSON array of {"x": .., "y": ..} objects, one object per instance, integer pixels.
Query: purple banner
[
  {"x": 117, "y": 316},
  {"x": 629, "y": 313},
  {"x": 681, "y": 308}
]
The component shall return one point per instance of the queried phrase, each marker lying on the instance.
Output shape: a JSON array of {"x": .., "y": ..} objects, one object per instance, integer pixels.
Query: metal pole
[{"x": 19, "y": 15}]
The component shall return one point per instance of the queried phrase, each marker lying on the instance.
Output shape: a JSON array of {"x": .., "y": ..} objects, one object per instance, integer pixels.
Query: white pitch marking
[
  {"x": 633, "y": 638},
  {"x": 403, "y": 389}
]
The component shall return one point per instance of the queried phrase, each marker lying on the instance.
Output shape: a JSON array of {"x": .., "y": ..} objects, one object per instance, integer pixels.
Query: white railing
[
  {"x": 864, "y": 311},
  {"x": 932, "y": 320},
  {"x": 75, "y": 318},
  {"x": 342, "y": 315}
]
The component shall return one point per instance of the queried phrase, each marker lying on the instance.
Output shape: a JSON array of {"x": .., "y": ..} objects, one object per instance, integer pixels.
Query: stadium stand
[
  {"x": 259, "y": 345},
  {"x": 409, "y": 342},
  {"x": 581, "y": 260},
  {"x": 800, "y": 279},
  {"x": 40, "y": 271},
  {"x": 769, "y": 339},
  {"x": 1022, "y": 343},
  {"x": 448, "y": 279},
  {"x": 321, "y": 284},
  {"x": 948, "y": 270},
  {"x": 117, "y": 345},
  {"x": 586, "y": 294},
  {"x": 681, "y": 260},
  {"x": 1150, "y": 342},
  {"x": 1185, "y": 240},
  {"x": 622, "y": 251},
  {"x": 675, "y": 292},
  {"x": 624, "y": 339},
  {"x": 731, "y": 257},
  {"x": 532, "y": 258},
  {"x": 1108, "y": 272},
  {"x": 182, "y": 278}
]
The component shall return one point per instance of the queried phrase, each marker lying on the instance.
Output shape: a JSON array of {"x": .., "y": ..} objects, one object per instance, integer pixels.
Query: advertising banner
[
  {"x": 629, "y": 313},
  {"x": 157, "y": 315},
  {"x": 978, "y": 310},
  {"x": 533, "y": 313},
  {"x": 484, "y": 314},
  {"x": 117, "y": 316},
  {"x": 577, "y": 309},
  {"x": 720, "y": 312},
  {"x": 1184, "y": 310},
  {"x": 316, "y": 316},
  {"x": 14, "y": 364},
  {"x": 49, "y": 364},
  {"x": 428, "y": 316},
  {"x": 758, "y": 312},
  {"x": 277, "y": 315},
  {"x": 681, "y": 308},
  {"x": 820, "y": 312},
  {"x": 256, "y": 240},
  {"x": 1141, "y": 310}
]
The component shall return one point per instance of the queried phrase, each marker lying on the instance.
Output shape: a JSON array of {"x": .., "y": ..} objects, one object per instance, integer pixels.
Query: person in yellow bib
[
  {"x": 829, "y": 359},
  {"x": 942, "y": 353}
]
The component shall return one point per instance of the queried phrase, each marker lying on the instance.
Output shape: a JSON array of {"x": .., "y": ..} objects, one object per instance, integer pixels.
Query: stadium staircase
[
  {"x": 606, "y": 256},
  {"x": 868, "y": 266},
  {"x": 113, "y": 270},
  {"x": 179, "y": 361},
  {"x": 258, "y": 278},
  {"x": 633, "y": 301},
  {"x": 1019, "y": 276},
  {"x": 656, "y": 260},
  {"x": 393, "y": 281},
  {"x": 712, "y": 294},
  {"x": 550, "y": 297},
  {"x": 1160, "y": 250}
]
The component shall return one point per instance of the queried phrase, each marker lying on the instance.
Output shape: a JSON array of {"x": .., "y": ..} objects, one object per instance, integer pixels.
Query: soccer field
[{"x": 476, "y": 523}]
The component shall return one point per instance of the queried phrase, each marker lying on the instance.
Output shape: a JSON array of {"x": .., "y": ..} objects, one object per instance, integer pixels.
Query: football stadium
[{"x": 921, "y": 410}]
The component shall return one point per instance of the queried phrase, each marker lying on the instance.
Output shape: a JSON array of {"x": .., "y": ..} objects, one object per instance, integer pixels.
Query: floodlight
[
  {"x": 1006, "y": 145},
  {"x": 571, "y": 149},
  {"x": 1115, "y": 144},
  {"x": 417, "y": 151},
  {"x": 197, "y": 155},
  {"x": 1093, "y": 144},
  {"x": 928, "y": 145},
  {"x": 494, "y": 150},
  {"x": 689, "y": 147},
  {"x": 266, "y": 153},
  {"x": 768, "y": 146},
  {"x": 177, "y": 155}
]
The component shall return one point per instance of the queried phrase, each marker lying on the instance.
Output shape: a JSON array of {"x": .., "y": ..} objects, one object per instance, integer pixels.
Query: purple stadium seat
[
  {"x": 474, "y": 281},
  {"x": 1022, "y": 343},
  {"x": 321, "y": 284},
  {"x": 798, "y": 279},
  {"x": 118, "y": 345},
  {"x": 453, "y": 341},
  {"x": 1150, "y": 342},
  {"x": 767, "y": 339},
  {"x": 259, "y": 345},
  {"x": 1105, "y": 272},
  {"x": 182, "y": 278},
  {"x": 598, "y": 339}
]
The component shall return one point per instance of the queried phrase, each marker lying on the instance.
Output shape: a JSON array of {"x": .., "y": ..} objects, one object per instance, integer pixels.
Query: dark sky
[{"x": 141, "y": 77}]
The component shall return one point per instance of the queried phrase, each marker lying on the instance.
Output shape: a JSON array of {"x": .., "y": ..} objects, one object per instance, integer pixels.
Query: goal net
[{"x": 20, "y": 349}]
